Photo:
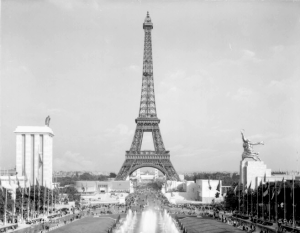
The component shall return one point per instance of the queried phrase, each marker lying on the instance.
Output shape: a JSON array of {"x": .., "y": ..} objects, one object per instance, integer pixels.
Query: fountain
[
  {"x": 149, "y": 221},
  {"x": 167, "y": 223},
  {"x": 128, "y": 224}
]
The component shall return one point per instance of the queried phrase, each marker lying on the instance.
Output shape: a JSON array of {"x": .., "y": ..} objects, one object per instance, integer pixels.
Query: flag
[
  {"x": 8, "y": 186},
  {"x": 209, "y": 186},
  {"x": 273, "y": 192},
  {"x": 292, "y": 189},
  {"x": 38, "y": 186},
  {"x": 18, "y": 182},
  {"x": 246, "y": 189},
  {"x": 82, "y": 187},
  {"x": 249, "y": 188},
  {"x": 25, "y": 188},
  {"x": 260, "y": 185},
  {"x": 40, "y": 161},
  {"x": 280, "y": 187},
  {"x": 265, "y": 177},
  {"x": 235, "y": 190},
  {"x": 1, "y": 187},
  {"x": 267, "y": 190},
  {"x": 218, "y": 189}
]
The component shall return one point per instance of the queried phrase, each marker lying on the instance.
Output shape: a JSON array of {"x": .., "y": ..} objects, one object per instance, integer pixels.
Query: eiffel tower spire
[
  {"x": 147, "y": 105},
  {"x": 147, "y": 121}
]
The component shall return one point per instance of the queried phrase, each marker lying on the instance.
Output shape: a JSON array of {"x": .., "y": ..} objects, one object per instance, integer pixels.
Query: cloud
[
  {"x": 75, "y": 4},
  {"x": 277, "y": 48},
  {"x": 182, "y": 151},
  {"x": 249, "y": 55},
  {"x": 134, "y": 68},
  {"x": 244, "y": 94},
  {"x": 73, "y": 161},
  {"x": 120, "y": 129}
]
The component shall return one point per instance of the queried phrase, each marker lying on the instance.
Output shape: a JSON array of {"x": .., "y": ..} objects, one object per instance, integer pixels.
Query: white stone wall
[
  {"x": 192, "y": 190},
  {"x": 47, "y": 168},
  {"x": 28, "y": 157},
  {"x": 19, "y": 155},
  {"x": 36, "y": 158},
  {"x": 253, "y": 172}
]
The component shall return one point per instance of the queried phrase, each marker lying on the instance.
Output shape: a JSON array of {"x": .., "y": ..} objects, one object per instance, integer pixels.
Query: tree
[
  {"x": 72, "y": 192},
  {"x": 231, "y": 200},
  {"x": 112, "y": 175},
  {"x": 102, "y": 178},
  {"x": 86, "y": 176}
]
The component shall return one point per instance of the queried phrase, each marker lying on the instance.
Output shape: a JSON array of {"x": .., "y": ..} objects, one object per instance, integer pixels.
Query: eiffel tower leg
[
  {"x": 137, "y": 139},
  {"x": 124, "y": 171},
  {"x": 157, "y": 139}
]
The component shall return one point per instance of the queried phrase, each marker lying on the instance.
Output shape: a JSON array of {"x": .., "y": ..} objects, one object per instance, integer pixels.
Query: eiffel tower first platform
[{"x": 147, "y": 122}]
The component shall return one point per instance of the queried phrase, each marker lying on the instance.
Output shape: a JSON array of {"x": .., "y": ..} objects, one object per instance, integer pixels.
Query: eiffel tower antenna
[{"x": 147, "y": 121}]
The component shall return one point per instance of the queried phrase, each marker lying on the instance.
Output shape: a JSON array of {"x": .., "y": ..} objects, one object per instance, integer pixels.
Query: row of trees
[
  {"x": 267, "y": 200},
  {"x": 228, "y": 179},
  {"x": 85, "y": 176}
]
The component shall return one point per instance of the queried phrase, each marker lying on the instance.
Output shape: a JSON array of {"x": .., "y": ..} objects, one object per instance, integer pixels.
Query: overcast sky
[{"x": 219, "y": 67}]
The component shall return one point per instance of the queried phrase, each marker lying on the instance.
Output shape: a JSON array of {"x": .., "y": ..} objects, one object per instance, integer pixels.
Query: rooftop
[{"x": 34, "y": 129}]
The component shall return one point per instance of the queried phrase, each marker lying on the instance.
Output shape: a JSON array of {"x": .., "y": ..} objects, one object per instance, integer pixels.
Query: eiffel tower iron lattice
[{"x": 147, "y": 122}]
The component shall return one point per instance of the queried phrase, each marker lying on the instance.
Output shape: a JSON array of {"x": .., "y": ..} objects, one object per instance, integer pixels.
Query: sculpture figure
[
  {"x": 248, "y": 149},
  {"x": 47, "y": 121}
]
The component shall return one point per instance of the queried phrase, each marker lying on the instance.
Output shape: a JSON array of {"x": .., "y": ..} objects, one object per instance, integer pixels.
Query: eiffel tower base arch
[{"x": 161, "y": 162}]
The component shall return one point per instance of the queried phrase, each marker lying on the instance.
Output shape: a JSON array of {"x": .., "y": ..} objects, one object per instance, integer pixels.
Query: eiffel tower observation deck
[{"x": 147, "y": 121}]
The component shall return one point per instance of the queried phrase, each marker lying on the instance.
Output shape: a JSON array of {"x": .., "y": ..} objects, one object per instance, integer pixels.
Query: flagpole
[
  {"x": 262, "y": 201},
  {"x": 22, "y": 202},
  {"x": 5, "y": 206},
  {"x": 33, "y": 199},
  {"x": 284, "y": 199},
  {"x": 243, "y": 200},
  {"x": 28, "y": 202},
  {"x": 44, "y": 200},
  {"x": 251, "y": 203},
  {"x": 247, "y": 202},
  {"x": 38, "y": 209},
  {"x": 14, "y": 196},
  {"x": 52, "y": 198},
  {"x": 47, "y": 202},
  {"x": 239, "y": 198},
  {"x": 293, "y": 202},
  {"x": 269, "y": 200},
  {"x": 276, "y": 211},
  {"x": 257, "y": 201}
]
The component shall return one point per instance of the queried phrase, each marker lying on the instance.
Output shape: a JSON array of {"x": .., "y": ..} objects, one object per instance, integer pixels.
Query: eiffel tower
[{"x": 147, "y": 122}]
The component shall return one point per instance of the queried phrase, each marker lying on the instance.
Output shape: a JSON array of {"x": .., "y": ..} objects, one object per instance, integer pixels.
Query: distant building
[
  {"x": 95, "y": 187},
  {"x": 8, "y": 172}
]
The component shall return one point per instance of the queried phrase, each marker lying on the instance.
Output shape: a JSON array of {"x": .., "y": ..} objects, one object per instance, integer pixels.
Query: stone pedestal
[{"x": 253, "y": 171}]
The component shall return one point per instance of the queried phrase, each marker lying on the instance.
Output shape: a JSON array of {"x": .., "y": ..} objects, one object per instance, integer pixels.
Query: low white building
[
  {"x": 94, "y": 187},
  {"x": 208, "y": 189}
]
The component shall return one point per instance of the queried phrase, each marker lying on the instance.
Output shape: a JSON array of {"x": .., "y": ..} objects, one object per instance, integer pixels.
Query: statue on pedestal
[
  {"x": 47, "y": 121},
  {"x": 248, "y": 149}
]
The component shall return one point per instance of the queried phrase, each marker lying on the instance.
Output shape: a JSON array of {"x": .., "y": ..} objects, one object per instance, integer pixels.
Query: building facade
[{"x": 34, "y": 154}]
